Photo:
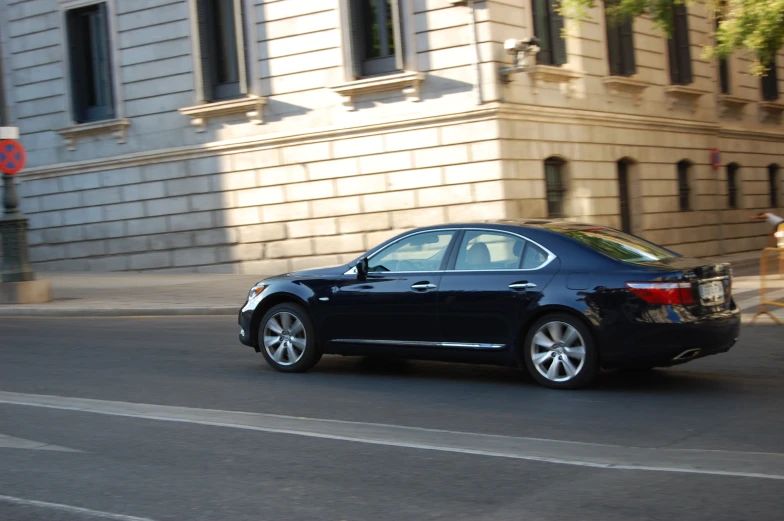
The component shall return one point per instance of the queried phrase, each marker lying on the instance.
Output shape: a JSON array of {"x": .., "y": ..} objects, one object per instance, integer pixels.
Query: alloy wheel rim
[
  {"x": 558, "y": 351},
  {"x": 285, "y": 338}
]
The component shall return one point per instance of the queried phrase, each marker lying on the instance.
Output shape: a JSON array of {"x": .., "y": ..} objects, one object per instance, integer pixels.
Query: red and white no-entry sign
[{"x": 12, "y": 156}]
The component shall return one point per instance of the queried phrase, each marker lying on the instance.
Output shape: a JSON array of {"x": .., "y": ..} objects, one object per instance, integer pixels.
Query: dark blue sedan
[{"x": 559, "y": 300}]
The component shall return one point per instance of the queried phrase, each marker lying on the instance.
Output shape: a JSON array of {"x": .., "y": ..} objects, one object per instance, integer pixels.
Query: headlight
[{"x": 256, "y": 291}]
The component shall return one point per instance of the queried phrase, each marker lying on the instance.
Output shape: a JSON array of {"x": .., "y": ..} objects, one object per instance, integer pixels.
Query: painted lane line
[
  {"x": 71, "y": 509},
  {"x": 10, "y": 442},
  {"x": 692, "y": 461}
]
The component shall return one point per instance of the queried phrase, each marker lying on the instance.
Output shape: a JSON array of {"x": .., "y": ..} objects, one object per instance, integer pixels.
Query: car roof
[{"x": 547, "y": 224}]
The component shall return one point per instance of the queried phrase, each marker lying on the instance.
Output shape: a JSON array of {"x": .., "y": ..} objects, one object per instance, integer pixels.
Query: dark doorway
[{"x": 623, "y": 195}]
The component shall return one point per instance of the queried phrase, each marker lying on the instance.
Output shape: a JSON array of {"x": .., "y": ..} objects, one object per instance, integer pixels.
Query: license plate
[{"x": 712, "y": 292}]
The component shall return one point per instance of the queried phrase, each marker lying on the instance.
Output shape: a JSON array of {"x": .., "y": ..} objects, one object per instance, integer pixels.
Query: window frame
[
  {"x": 451, "y": 254},
  {"x": 560, "y": 188},
  {"x": 352, "y": 63},
  {"x": 555, "y": 54},
  {"x": 621, "y": 53},
  {"x": 681, "y": 67},
  {"x": 118, "y": 104},
  {"x": 773, "y": 184},
  {"x": 733, "y": 191},
  {"x": 769, "y": 84},
  {"x": 248, "y": 59},
  {"x": 683, "y": 168}
]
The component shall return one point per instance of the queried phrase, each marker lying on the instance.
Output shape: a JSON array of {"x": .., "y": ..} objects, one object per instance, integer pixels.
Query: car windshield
[{"x": 618, "y": 245}]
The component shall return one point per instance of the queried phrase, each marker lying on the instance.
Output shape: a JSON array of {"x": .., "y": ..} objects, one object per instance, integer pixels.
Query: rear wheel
[
  {"x": 559, "y": 352},
  {"x": 287, "y": 339}
]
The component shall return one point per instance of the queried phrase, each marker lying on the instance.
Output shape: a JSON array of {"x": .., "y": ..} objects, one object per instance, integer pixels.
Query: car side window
[
  {"x": 533, "y": 256},
  {"x": 418, "y": 252},
  {"x": 482, "y": 250}
]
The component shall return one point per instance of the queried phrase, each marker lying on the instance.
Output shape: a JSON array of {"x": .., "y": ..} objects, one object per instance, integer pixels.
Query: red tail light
[{"x": 663, "y": 293}]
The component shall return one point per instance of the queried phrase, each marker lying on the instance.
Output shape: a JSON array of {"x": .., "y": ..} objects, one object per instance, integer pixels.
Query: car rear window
[{"x": 618, "y": 245}]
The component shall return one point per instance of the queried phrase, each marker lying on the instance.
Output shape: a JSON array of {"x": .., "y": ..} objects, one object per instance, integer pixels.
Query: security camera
[{"x": 514, "y": 46}]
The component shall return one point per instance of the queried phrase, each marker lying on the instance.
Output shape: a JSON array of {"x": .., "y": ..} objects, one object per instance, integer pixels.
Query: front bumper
[{"x": 245, "y": 321}]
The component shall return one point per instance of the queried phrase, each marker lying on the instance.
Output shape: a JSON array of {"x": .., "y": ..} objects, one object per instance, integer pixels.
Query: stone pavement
[{"x": 161, "y": 294}]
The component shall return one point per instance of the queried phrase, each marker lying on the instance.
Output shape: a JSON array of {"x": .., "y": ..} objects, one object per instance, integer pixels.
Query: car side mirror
[{"x": 362, "y": 268}]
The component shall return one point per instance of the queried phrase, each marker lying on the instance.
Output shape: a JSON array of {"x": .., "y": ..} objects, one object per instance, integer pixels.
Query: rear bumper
[{"x": 673, "y": 343}]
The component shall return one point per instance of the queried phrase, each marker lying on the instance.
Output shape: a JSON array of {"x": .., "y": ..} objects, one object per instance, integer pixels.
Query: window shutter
[
  {"x": 724, "y": 76},
  {"x": 614, "y": 49},
  {"x": 207, "y": 72},
  {"x": 683, "y": 44},
  {"x": 542, "y": 31},
  {"x": 672, "y": 49},
  {"x": 242, "y": 54},
  {"x": 556, "y": 29},
  {"x": 627, "y": 47},
  {"x": 357, "y": 37},
  {"x": 103, "y": 57},
  {"x": 397, "y": 26}
]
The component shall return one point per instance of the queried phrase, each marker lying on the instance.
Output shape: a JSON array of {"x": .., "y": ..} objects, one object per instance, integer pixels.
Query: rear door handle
[
  {"x": 423, "y": 286},
  {"x": 522, "y": 285}
]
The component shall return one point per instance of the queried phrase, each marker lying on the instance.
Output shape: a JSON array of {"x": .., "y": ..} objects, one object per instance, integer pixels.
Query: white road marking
[
  {"x": 10, "y": 442},
  {"x": 71, "y": 509},
  {"x": 692, "y": 461}
]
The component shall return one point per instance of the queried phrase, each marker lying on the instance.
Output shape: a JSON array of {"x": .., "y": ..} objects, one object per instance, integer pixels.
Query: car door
[
  {"x": 495, "y": 279},
  {"x": 397, "y": 303}
]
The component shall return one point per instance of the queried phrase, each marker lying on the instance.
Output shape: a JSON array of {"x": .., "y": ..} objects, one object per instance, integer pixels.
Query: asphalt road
[{"x": 171, "y": 419}]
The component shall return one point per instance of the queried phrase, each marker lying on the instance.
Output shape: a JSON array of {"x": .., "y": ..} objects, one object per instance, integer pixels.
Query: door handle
[
  {"x": 522, "y": 285},
  {"x": 423, "y": 286}
]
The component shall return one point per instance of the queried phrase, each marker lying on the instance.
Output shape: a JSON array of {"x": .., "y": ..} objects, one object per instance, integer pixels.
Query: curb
[{"x": 119, "y": 312}]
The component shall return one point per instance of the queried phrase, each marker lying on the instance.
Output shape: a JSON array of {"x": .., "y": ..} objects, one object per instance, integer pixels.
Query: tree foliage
[{"x": 754, "y": 26}]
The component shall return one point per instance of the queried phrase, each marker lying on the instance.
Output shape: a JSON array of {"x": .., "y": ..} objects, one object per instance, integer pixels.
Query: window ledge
[
  {"x": 117, "y": 127},
  {"x": 728, "y": 103},
  {"x": 408, "y": 82},
  {"x": 252, "y": 106},
  {"x": 618, "y": 84},
  {"x": 552, "y": 74},
  {"x": 770, "y": 111},
  {"x": 683, "y": 92}
]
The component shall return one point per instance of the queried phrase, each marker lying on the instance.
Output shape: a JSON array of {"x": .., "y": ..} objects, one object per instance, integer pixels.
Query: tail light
[{"x": 663, "y": 293}]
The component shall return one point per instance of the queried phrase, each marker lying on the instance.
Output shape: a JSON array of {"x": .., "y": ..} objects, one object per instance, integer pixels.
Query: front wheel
[
  {"x": 287, "y": 339},
  {"x": 559, "y": 352}
]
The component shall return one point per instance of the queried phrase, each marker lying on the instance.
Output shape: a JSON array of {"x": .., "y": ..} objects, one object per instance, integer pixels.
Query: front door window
[{"x": 415, "y": 253}]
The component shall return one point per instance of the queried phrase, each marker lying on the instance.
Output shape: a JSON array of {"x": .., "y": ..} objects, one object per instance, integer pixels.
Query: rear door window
[{"x": 618, "y": 245}]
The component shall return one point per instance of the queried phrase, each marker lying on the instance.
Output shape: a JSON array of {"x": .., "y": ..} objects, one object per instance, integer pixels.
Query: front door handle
[
  {"x": 421, "y": 286},
  {"x": 522, "y": 285}
]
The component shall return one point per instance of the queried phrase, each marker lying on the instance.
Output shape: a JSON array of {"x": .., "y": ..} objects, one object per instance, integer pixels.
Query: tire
[
  {"x": 576, "y": 361},
  {"x": 296, "y": 347}
]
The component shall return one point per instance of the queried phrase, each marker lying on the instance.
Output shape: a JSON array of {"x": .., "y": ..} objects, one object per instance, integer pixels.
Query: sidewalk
[{"x": 167, "y": 294}]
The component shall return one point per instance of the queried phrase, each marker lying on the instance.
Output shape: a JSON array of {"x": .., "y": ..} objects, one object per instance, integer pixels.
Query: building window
[
  {"x": 554, "y": 183},
  {"x": 222, "y": 47},
  {"x": 732, "y": 185},
  {"x": 624, "y": 196},
  {"x": 679, "y": 47},
  {"x": 770, "y": 84},
  {"x": 773, "y": 185},
  {"x": 92, "y": 88},
  {"x": 548, "y": 26},
  {"x": 620, "y": 46},
  {"x": 684, "y": 188},
  {"x": 376, "y": 37},
  {"x": 724, "y": 70}
]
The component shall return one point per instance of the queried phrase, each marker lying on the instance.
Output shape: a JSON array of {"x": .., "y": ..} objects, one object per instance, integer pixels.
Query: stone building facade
[{"x": 261, "y": 136}]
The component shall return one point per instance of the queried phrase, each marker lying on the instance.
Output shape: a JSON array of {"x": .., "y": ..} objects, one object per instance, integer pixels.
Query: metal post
[{"x": 13, "y": 229}]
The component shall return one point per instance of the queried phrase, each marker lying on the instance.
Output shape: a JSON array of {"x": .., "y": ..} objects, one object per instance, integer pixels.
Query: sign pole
[{"x": 19, "y": 283}]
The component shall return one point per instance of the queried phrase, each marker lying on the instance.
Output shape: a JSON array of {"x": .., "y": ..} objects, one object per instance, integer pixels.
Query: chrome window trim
[
  {"x": 550, "y": 255},
  {"x": 416, "y": 343}
]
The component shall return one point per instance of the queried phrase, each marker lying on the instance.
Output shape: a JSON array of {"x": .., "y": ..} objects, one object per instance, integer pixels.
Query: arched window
[
  {"x": 732, "y": 185},
  {"x": 773, "y": 184},
  {"x": 554, "y": 183},
  {"x": 684, "y": 188}
]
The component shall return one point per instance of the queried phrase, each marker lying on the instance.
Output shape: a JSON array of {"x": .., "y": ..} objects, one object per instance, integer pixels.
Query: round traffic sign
[{"x": 12, "y": 156}]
